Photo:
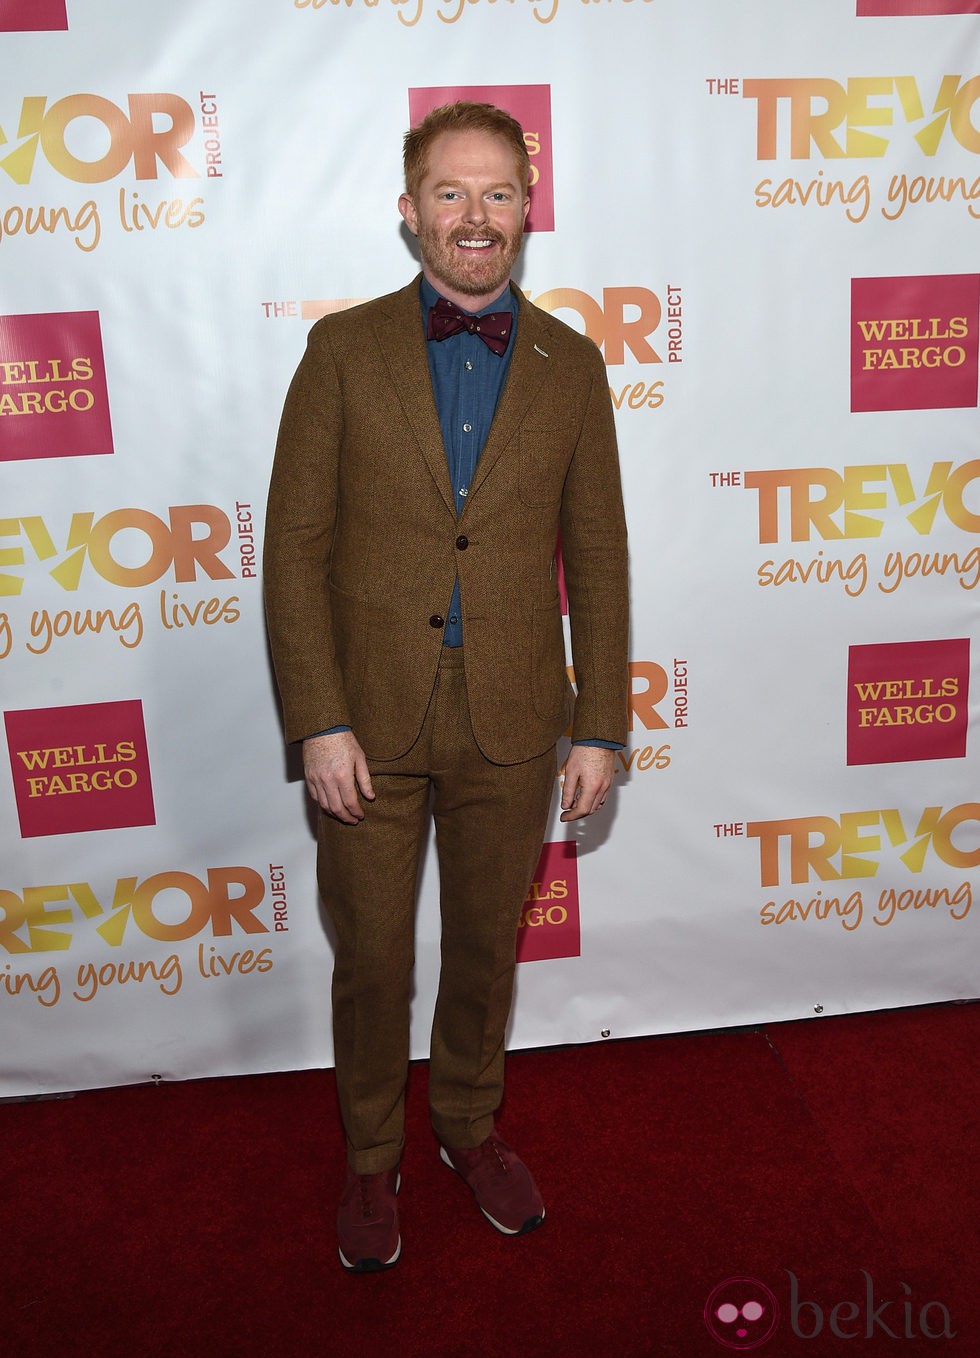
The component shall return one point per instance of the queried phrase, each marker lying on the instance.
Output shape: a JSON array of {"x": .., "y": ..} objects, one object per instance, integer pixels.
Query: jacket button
[
  {"x": 437, "y": 621},
  {"x": 462, "y": 542}
]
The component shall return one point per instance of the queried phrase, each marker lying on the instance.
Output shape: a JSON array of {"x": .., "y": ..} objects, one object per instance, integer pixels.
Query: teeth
[{"x": 475, "y": 244}]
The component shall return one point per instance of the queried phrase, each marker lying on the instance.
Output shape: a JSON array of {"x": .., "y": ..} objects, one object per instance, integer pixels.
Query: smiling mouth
[{"x": 475, "y": 244}]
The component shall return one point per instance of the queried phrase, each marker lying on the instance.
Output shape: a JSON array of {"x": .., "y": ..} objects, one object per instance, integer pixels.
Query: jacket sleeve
[
  {"x": 594, "y": 552},
  {"x": 300, "y": 520}
]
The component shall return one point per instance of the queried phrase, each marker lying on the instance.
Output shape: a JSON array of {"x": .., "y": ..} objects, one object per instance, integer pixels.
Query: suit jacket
[{"x": 363, "y": 542}]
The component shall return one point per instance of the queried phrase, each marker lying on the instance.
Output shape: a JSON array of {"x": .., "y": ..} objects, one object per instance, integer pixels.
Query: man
[{"x": 432, "y": 444}]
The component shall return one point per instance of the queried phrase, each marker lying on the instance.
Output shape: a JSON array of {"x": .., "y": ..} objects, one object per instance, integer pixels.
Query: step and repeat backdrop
[{"x": 767, "y": 215}]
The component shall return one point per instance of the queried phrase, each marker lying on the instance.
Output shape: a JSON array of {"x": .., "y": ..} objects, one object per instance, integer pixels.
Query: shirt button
[
  {"x": 464, "y": 490},
  {"x": 462, "y": 542},
  {"x": 437, "y": 621},
  {"x": 467, "y": 429},
  {"x": 469, "y": 366},
  {"x": 453, "y": 619}
]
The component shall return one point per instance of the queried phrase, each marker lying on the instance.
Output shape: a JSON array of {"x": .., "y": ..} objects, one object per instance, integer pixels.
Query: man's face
[{"x": 468, "y": 216}]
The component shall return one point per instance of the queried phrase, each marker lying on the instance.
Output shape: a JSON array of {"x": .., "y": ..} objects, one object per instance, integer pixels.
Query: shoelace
[
  {"x": 491, "y": 1154},
  {"x": 367, "y": 1183}
]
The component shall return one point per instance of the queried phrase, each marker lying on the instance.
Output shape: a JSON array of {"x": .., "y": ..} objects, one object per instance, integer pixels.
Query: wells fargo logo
[
  {"x": 915, "y": 8},
  {"x": 151, "y": 132},
  {"x": 908, "y": 701},
  {"x": 53, "y": 396},
  {"x": 549, "y": 924},
  {"x": 914, "y": 342},
  {"x": 531, "y": 106},
  {"x": 33, "y": 16},
  {"x": 807, "y": 115},
  {"x": 80, "y": 768}
]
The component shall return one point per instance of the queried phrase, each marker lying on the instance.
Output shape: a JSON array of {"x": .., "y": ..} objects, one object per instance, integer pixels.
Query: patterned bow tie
[{"x": 493, "y": 328}]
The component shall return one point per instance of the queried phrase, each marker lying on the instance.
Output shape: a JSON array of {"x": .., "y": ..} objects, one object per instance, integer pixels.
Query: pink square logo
[
  {"x": 531, "y": 106},
  {"x": 907, "y": 701},
  {"x": 53, "y": 396},
  {"x": 80, "y": 768},
  {"x": 549, "y": 924},
  {"x": 914, "y": 342},
  {"x": 879, "y": 9},
  {"x": 33, "y": 16}
]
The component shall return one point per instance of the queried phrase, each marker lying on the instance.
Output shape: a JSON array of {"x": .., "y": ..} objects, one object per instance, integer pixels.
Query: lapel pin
[{"x": 539, "y": 350}]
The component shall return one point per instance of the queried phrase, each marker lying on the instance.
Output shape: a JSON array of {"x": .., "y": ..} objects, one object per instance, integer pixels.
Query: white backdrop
[{"x": 768, "y": 216}]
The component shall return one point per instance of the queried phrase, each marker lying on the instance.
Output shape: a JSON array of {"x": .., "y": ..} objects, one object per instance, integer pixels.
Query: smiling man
[
  {"x": 433, "y": 444},
  {"x": 467, "y": 208}
]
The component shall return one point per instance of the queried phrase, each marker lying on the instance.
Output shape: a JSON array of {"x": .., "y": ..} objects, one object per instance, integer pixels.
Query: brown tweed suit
[{"x": 362, "y": 547}]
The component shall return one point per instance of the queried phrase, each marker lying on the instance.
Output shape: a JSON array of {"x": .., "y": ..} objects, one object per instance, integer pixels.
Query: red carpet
[{"x": 197, "y": 1219}]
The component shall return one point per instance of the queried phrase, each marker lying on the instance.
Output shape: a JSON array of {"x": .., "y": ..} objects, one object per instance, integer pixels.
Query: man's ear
[{"x": 410, "y": 217}]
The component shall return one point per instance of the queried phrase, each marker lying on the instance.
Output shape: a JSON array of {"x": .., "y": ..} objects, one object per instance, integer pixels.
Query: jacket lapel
[
  {"x": 402, "y": 343},
  {"x": 530, "y": 366}
]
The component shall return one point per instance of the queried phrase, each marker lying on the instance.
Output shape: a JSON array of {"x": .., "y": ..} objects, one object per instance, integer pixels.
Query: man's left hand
[{"x": 588, "y": 778}]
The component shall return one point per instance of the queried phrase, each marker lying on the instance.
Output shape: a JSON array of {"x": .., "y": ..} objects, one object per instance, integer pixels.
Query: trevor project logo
[
  {"x": 53, "y": 396},
  {"x": 80, "y": 768},
  {"x": 908, "y": 701},
  {"x": 531, "y": 106},
  {"x": 914, "y": 342}
]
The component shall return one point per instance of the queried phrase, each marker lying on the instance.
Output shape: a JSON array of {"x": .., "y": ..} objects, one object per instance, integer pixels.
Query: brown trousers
[{"x": 489, "y": 822}]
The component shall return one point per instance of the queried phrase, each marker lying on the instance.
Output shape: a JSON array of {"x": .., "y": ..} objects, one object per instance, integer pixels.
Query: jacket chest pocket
[{"x": 545, "y": 455}]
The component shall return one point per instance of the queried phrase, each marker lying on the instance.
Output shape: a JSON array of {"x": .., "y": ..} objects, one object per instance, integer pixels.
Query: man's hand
[
  {"x": 336, "y": 770},
  {"x": 588, "y": 777}
]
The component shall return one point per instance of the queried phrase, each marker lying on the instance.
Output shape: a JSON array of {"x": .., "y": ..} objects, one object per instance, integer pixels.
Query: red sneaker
[
  {"x": 367, "y": 1221},
  {"x": 505, "y": 1192}
]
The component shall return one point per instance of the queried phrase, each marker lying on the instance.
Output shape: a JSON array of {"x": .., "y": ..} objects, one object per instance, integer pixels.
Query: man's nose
[{"x": 475, "y": 210}]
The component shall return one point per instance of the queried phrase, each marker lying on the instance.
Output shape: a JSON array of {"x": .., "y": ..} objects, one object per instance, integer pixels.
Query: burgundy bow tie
[{"x": 493, "y": 328}]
